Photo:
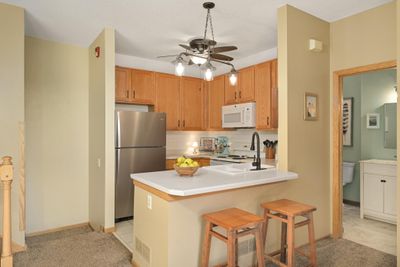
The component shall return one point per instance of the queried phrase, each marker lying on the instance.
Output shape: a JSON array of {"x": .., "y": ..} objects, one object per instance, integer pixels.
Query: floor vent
[{"x": 142, "y": 249}]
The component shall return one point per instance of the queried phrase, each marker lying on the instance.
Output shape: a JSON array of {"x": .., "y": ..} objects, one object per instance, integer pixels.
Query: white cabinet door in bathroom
[
  {"x": 373, "y": 192},
  {"x": 389, "y": 202}
]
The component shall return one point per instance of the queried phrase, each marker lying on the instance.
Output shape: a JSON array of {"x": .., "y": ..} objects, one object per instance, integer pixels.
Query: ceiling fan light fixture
[
  {"x": 179, "y": 67},
  {"x": 208, "y": 71},
  {"x": 198, "y": 60},
  {"x": 233, "y": 77}
]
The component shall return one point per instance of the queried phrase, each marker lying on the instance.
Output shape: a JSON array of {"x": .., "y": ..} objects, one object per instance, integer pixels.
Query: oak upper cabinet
[
  {"x": 244, "y": 90},
  {"x": 168, "y": 99},
  {"x": 262, "y": 82},
  {"x": 246, "y": 85},
  {"x": 274, "y": 94},
  {"x": 143, "y": 87},
  {"x": 122, "y": 85},
  {"x": 191, "y": 103},
  {"x": 215, "y": 101}
]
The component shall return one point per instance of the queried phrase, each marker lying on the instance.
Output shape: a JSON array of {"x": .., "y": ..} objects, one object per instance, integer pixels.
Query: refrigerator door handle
[{"x": 117, "y": 160}]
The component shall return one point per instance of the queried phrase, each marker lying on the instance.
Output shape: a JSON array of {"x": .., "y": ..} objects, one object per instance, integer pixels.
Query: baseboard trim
[
  {"x": 109, "y": 230},
  {"x": 351, "y": 202},
  {"x": 17, "y": 247},
  {"x": 57, "y": 229}
]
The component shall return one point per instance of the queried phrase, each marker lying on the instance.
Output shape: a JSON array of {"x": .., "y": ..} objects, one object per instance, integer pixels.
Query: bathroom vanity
[{"x": 378, "y": 179}]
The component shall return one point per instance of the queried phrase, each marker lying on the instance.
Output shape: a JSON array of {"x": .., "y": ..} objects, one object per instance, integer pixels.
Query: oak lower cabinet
[
  {"x": 181, "y": 98},
  {"x": 378, "y": 190}
]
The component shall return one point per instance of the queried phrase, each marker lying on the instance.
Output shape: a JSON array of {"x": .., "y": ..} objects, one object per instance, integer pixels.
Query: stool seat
[
  {"x": 288, "y": 207},
  {"x": 233, "y": 219}
]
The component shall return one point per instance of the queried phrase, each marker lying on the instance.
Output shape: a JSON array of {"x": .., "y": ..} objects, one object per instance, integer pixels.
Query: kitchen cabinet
[
  {"x": 378, "y": 190},
  {"x": 243, "y": 91},
  {"x": 266, "y": 95},
  {"x": 216, "y": 97},
  {"x": 191, "y": 104},
  {"x": 143, "y": 87},
  {"x": 122, "y": 85},
  {"x": 168, "y": 99}
]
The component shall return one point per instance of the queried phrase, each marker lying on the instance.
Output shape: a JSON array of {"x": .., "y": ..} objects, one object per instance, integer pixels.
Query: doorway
[{"x": 337, "y": 134}]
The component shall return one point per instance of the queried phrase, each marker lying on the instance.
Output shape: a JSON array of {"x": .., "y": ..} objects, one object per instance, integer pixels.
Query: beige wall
[
  {"x": 12, "y": 100},
  {"x": 101, "y": 131},
  {"x": 398, "y": 120},
  {"x": 57, "y": 95},
  {"x": 304, "y": 145}
]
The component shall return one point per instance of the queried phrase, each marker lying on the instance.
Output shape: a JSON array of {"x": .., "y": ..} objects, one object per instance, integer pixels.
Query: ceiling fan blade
[
  {"x": 185, "y": 46},
  {"x": 223, "y": 49},
  {"x": 221, "y": 57},
  {"x": 167, "y": 56}
]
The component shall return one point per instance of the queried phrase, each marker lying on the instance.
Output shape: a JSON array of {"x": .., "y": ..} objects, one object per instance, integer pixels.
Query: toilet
[{"x": 347, "y": 172}]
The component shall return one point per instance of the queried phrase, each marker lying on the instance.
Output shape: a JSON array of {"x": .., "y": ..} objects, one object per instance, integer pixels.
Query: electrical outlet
[{"x": 149, "y": 202}]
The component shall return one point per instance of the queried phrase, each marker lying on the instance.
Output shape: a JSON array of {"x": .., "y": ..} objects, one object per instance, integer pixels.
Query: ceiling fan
[{"x": 203, "y": 51}]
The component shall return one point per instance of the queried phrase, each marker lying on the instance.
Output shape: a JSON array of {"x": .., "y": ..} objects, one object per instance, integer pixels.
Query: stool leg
[
  {"x": 259, "y": 246},
  {"x": 290, "y": 241},
  {"x": 265, "y": 226},
  {"x": 311, "y": 240},
  {"x": 283, "y": 242},
  {"x": 205, "y": 254},
  {"x": 231, "y": 244}
]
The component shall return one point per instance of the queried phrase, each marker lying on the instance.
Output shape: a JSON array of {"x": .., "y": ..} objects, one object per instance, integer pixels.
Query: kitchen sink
[{"x": 236, "y": 169}]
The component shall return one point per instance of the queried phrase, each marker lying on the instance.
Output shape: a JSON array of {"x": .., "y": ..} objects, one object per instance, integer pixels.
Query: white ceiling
[{"x": 148, "y": 28}]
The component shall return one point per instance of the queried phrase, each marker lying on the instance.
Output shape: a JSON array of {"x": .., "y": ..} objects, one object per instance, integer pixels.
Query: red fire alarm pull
[{"x": 97, "y": 50}]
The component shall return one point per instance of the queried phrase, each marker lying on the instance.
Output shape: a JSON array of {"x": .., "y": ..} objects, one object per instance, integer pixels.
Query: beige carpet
[
  {"x": 83, "y": 247},
  {"x": 77, "y": 247}
]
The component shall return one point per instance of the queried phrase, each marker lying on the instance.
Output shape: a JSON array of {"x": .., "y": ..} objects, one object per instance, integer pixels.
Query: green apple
[
  {"x": 180, "y": 160},
  {"x": 183, "y": 165},
  {"x": 188, "y": 161},
  {"x": 195, "y": 164}
]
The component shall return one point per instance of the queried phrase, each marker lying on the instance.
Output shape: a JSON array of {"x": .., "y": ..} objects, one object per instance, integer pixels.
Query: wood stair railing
[{"x": 6, "y": 177}]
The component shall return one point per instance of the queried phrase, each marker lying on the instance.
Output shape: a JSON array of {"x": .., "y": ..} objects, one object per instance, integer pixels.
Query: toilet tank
[{"x": 348, "y": 172}]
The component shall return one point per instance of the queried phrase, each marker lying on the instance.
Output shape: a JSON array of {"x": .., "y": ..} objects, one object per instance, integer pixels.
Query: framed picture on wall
[
  {"x": 347, "y": 121},
  {"x": 373, "y": 121},
  {"x": 310, "y": 107}
]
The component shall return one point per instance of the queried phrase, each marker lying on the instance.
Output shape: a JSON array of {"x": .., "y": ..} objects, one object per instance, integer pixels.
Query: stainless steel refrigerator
[{"x": 139, "y": 147}]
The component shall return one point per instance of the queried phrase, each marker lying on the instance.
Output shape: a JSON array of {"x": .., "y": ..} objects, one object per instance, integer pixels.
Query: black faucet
[{"x": 257, "y": 160}]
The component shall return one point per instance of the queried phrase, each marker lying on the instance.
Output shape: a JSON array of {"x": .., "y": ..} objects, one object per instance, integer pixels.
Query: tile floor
[
  {"x": 124, "y": 233},
  {"x": 374, "y": 234}
]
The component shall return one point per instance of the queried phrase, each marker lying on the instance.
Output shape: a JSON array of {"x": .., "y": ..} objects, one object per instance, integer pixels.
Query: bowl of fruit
[{"x": 186, "y": 166}]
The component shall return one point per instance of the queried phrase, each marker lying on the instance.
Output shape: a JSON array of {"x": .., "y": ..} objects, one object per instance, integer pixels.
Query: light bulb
[
  {"x": 179, "y": 68},
  {"x": 208, "y": 75},
  {"x": 233, "y": 77}
]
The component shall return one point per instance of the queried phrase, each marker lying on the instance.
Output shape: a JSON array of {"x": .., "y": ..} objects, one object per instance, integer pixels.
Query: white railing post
[{"x": 6, "y": 177}]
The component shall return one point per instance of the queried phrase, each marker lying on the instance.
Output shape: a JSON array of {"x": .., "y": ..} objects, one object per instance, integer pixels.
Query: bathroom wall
[{"x": 369, "y": 91}]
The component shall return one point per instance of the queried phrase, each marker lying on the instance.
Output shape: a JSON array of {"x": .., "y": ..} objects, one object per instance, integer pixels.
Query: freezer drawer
[{"x": 133, "y": 160}]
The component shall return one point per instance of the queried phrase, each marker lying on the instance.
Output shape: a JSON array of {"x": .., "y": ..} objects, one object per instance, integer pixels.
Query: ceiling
[{"x": 148, "y": 28}]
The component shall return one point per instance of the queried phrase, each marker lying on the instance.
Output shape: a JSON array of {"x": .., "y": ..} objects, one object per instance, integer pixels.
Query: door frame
[{"x": 337, "y": 140}]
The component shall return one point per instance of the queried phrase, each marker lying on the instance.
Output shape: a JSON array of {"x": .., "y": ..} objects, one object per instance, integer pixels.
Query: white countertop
[
  {"x": 380, "y": 161},
  {"x": 212, "y": 156},
  {"x": 207, "y": 181}
]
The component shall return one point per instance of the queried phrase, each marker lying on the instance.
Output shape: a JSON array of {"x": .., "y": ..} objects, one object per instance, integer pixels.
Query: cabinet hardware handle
[
  {"x": 383, "y": 181},
  {"x": 134, "y": 94},
  {"x": 267, "y": 120},
  {"x": 235, "y": 95},
  {"x": 183, "y": 123},
  {"x": 127, "y": 94},
  {"x": 179, "y": 123},
  {"x": 240, "y": 94}
]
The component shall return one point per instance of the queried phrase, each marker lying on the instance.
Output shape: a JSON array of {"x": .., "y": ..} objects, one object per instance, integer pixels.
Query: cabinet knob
[{"x": 383, "y": 181}]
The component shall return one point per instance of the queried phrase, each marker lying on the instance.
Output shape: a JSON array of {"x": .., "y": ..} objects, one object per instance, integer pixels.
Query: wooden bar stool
[
  {"x": 285, "y": 211},
  {"x": 237, "y": 223}
]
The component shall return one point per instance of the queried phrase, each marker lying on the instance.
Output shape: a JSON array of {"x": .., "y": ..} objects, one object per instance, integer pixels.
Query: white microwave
[{"x": 239, "y": 116}]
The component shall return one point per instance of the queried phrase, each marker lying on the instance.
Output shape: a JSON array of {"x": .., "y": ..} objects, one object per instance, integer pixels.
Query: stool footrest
[
  {"x": 302, "y": 223},
  {"x": 276, "y": 261},
  {"x": 219, "y": 236}
]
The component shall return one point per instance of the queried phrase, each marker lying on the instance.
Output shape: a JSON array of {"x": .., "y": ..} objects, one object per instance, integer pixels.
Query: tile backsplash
[{"x": 180, "y": 141}]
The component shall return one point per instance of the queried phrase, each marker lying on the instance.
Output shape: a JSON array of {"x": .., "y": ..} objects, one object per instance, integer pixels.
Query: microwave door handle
[{"x": 243, "y": 116}]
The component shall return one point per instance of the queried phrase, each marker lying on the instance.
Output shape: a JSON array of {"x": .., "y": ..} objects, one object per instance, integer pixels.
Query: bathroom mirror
[{"x": 390, "y": 111}]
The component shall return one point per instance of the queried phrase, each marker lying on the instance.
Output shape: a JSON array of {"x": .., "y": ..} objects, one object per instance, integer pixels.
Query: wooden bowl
[{"x": 186, "y": 171}]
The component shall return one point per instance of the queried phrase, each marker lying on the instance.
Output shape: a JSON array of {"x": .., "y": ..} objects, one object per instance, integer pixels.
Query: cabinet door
[
  {"x": 373, "y": 192},
  {"x": 122, "y": 85},
  {"x": 262, "y": 83},
  {"x": 143, "y": 87},
  {"x": 230, "y": 92},
  {"x": 389, "y": 201},
  {"x": 246, "y": 85},
  {"x": 168, "y": 99},
  {"x": 215, "y": 102},
  {"x": 274, "y": 94},
  {"x": 191, "y": 103}
]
